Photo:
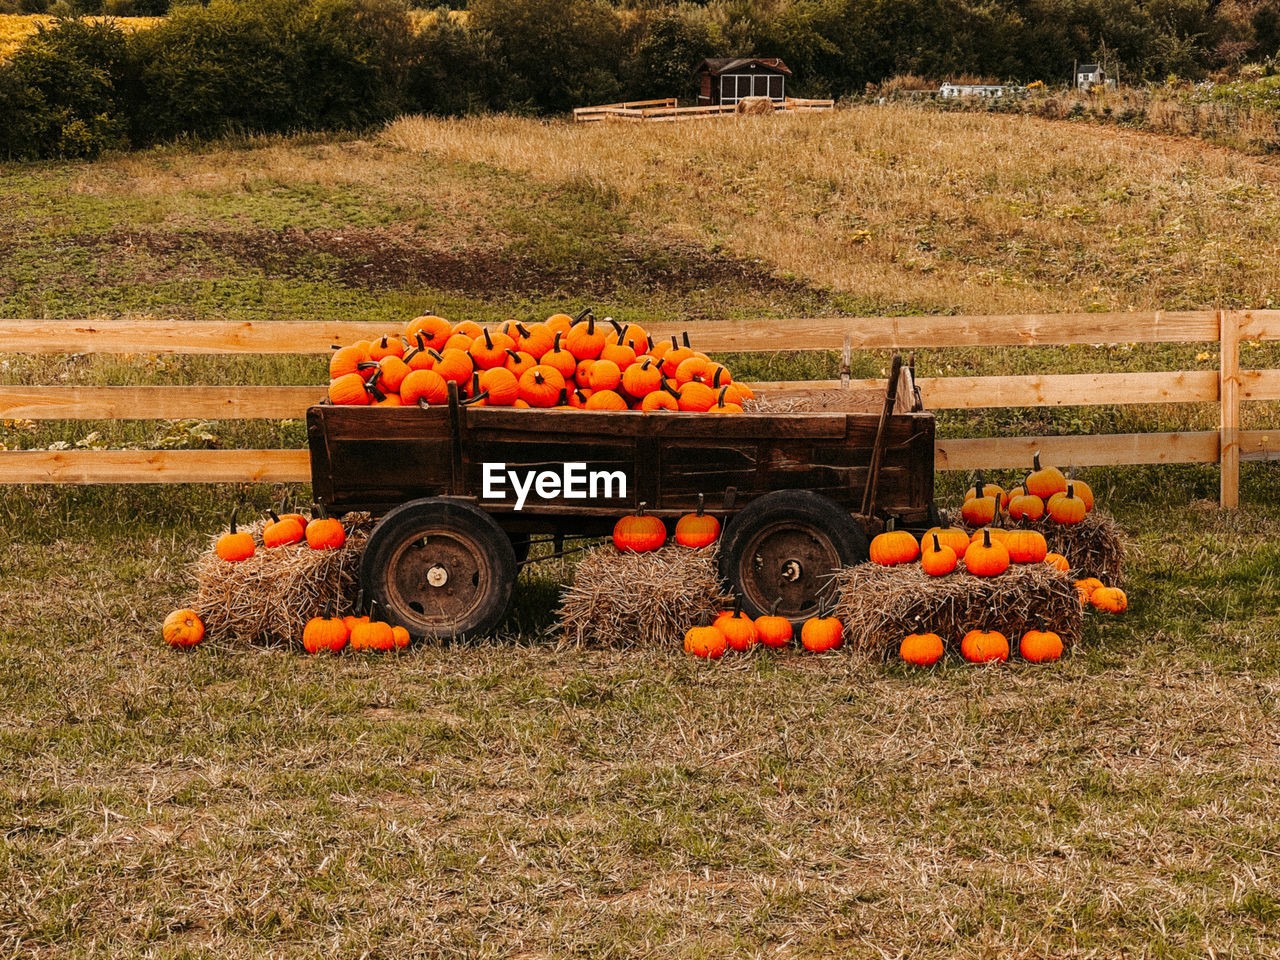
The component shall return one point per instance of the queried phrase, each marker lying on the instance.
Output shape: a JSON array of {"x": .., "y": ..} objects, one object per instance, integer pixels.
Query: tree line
[{"x": 258, "y": 66}]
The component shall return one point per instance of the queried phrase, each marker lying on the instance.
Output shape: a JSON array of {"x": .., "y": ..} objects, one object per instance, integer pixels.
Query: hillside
[{"x": 519, "y": 797}]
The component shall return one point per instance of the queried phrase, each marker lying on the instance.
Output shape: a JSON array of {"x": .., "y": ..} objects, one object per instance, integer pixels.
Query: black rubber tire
[
  {"x": 520, "y": 543},
  {"x": 435, "y": 537},
  {"x": 825, "y": 536}
]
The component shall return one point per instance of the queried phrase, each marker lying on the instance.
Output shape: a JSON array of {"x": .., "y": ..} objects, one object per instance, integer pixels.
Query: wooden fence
[
  {"x": 1227, "y": 386},
  {"x": 667, "y": 111}
]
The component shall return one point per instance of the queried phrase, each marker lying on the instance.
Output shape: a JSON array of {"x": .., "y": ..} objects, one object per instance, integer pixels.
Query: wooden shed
[{"x": 730, "y": 79}]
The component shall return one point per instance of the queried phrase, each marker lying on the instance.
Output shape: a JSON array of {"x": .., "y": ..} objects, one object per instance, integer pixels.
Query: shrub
[
  {"x": 455, "y": 70},
  {"x": 63, "y": 93},
  {"x": 271, "y": 66}
]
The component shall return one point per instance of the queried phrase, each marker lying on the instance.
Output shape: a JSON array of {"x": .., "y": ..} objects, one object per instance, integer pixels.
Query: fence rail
[{"x": 1228, "y": 386}]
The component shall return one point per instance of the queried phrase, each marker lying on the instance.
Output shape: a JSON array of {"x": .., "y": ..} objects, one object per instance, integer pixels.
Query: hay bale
[
  {"x": 754, "y": 107},
  {"x": 641, "y": 599},
  {"x": 881, "y": 605},
  {"x": 1093, "y": 546},
  {"x": 269, "y": 598}
]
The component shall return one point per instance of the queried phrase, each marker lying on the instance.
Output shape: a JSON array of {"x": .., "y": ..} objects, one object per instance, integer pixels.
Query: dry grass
[
  {"x": 980, "y": 214},
  {"x": 15, "y": 28}
]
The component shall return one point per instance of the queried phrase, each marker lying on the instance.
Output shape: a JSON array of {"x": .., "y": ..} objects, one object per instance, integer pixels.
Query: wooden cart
[{"x": 799, "y": 493}]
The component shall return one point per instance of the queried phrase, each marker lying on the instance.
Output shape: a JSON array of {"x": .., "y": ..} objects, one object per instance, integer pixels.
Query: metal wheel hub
[
  {"x": 789, "y": 562},
  {"x": 438, "y": 577}
]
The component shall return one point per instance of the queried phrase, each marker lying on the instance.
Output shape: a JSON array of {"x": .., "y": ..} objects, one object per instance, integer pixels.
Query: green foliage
[
  {"x": 271, "y": 66},
  {"x": 455, "y": 70},
  {"x": 62, "y": 93},
  {"x": 559, "y": 54}
]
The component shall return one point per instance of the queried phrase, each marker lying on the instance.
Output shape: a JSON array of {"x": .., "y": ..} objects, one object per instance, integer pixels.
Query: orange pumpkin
[
  {"x": 738, "y": 628},
  {"x": 1026, "y": 507},
  {"x": 820, "y": 634},
  {"x": 980, "y": 646},
  {"x": 424, "y": 386},
  {"x": 939, "y": 559},
  {"x": 324, "y": 532},
  {"x": 1044, "y": 482},
  {"x": 921, "y": 649},
  {"x": 281, "y": 533},
  {"x": 639, "y": 533},
  {"x": 706, "y": 642},
  {"x": 697, "y": 529},
  {"x": 183, "y": 628},
  {"x": 585, "y": 340},
  {"x": 541, "y": 386},
  {"x": 1066, "y": 507},
  {"x": 894, "y": 547},
  {"x": 1026, "y": 546},
  {"x": 1058, "y": 561},
  {"x": 501, "y": 385},
  {"x": 773, "y": 630},
  {"x": 1040, "y": 646},
  {"x": 605, "y": 400},
  {"x": 954, "y": 537},
  {"x": 1109, "y": 600},
  {"x": 232, "y": 546},
  {"x": 431, "y": 331},
  {"x": 325, "y": 633},
  {"x": 986, "y": 557}
]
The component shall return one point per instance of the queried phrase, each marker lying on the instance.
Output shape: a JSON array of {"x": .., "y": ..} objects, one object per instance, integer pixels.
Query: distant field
[
  {"x": 16, "y": 27},
  {"x": 517, "y": 798}
]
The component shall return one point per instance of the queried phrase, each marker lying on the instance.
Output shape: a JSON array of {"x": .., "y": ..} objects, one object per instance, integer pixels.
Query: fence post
[{"x": 1229, "y": 404}]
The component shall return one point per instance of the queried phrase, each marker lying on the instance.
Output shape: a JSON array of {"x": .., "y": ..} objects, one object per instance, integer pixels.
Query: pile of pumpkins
[
  {"x": 563, "y": 362},
  {"x": 184, "y": 628},
  {"x": 990, "y": 550}
]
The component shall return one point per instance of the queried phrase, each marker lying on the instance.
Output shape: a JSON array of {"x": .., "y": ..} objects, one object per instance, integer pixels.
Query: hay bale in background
[
  {"x": 633, "y": 599},
  {"x": 269, "y": 598},
  {"x": 1092, "y": 546},
  {"x": 754, "y": 107},
  {"x": 881, "y": 605}
]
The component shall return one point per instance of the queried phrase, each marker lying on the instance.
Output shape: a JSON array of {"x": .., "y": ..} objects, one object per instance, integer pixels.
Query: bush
[
  {"x": 271, "y": 66},
  {"x": 559, "y": 54},
  {"x": 665, "y": 54},
  {"x": 64, "y": 92},
  {"x": 455, "y": 70}
]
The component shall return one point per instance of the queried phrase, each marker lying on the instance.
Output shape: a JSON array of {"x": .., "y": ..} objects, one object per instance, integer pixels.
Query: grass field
[{"x": 518, "y": 798}]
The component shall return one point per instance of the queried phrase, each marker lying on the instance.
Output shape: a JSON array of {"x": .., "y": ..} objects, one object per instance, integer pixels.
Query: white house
[
  {"x": 1091, "y": 75},
  {"x": 974, "y": 90}
]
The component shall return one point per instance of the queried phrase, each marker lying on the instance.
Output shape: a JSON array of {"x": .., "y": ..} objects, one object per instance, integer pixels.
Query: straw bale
[
  {"x": 881, "y": 605},
  {"x": 1093, "y": 546},
  {"x": 269, "y": 598},
  {"x": 641, "y": 599},
  {"x": 754, "y": 106}
]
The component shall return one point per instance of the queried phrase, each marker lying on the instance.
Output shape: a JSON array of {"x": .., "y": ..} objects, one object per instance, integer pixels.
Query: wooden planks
[
  {"x": 154, "y": 466},
  {"x": 157, "y": 403},
  {"x": 1257, "y": 324},
  {"x": 1097, "y": 450},
  {"x": 726, "y": 336},
  {"x": 1229, "y": 410}
]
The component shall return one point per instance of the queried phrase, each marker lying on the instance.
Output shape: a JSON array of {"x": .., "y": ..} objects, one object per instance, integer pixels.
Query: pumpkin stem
[
  {"x": 640, "y": 509},
  {"x": 482, "y": 395},
  {"x": 674, "y": 342},
  {"x": 715, "y": 380},
  {"x": 384, "y": 343},
  {"x": 648, "y": 343},
  {"x": 1071, "y": 491},
  {"x": 367, "y": 365},
  {"x": 702, "y": 502},
  {"x": 234, "y": 511},
  {"x": 555, "y": 348},
  {"x": 617, "y": 327},
  {"x": 275, "y": 517},
  {"x": 488, "y": 340},
  {"x": 685, "y": 335},
  {"x": 936, "y": 545},
  {"x": 773, "y": 607},
  {"x": 422, "y": 341},
  {"x": 435, "y": 354},
  {"x": 563, "y": 399},
  {"x": 586, "y": 312},
  {"x": 591, "y": 325},
  {"x": 521, "y": 330},
  {"x": 372, "y": 386},
  {"x": 737, "y": 607},
  {"x": 1035, "y": 460},
  {"x": 318, "y": 510},
  {"x": 720, "y": 399},
  {"x": 538, "y": 378},
  {"x": 986, "y": 537}
]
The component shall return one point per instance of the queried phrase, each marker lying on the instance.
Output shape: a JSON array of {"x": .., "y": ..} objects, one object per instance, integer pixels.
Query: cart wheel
[
  {"x": 440, "y": 568},
  {"x": 784, "y": 546},
  {"x": 520, "y": 543}
]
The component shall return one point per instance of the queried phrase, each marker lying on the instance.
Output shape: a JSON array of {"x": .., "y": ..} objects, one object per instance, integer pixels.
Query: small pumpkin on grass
[
  {"x": 821, "y": 633},
  {"x": 739, "y": 629},
  {"x": 1040, "y": 646},
  {"x": 774, "y": 631},
  {"x": 639, "y": 533},
  {"x": 698, "y": 529},
  {"x": 921, "y": 649},
  {"x": 706, "y": 642},
  {"x": 981, "y": 646},
  {"x": 325, "y": 633},
  {"x": 234, "y": 546},
  {"x": 1109, "y": 600},
  {"x": 1086, "y": 587},
  {"x": 182, "y": 629}
]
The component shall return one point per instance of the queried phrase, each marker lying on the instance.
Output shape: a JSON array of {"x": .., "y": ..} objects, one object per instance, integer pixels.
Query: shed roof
[
  {"x": 1088, "y": 68},
  {"x": 716, "y": 66}
]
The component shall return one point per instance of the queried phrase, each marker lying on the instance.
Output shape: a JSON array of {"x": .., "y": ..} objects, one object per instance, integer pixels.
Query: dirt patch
[{"x": 384, "y": 259}]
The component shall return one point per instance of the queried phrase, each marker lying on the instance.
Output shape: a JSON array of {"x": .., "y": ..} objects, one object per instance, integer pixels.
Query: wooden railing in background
[{"x": 1227, "y": 386}]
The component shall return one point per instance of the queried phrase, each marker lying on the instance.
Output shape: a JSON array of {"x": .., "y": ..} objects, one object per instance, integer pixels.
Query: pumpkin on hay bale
[
  {"x": 1093, "y": 546},
  {"x": 268, "y": 598},
  {"x": 882, "y": 605},
  {"x": 641, "y": 599}
]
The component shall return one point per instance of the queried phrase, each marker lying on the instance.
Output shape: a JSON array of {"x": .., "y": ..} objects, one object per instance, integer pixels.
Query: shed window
[{"x": 775, "y": 87}]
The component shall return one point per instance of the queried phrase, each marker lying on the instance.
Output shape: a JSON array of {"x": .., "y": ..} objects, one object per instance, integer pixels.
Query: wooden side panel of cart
[{"x": 377, "y": 458}]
